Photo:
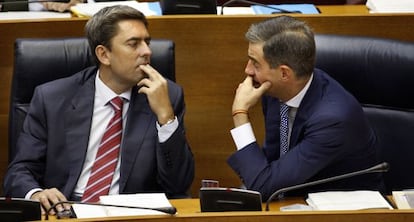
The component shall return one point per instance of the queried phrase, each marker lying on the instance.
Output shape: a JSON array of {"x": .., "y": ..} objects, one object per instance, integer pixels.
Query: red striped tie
[{"x": 107, "y": 157}]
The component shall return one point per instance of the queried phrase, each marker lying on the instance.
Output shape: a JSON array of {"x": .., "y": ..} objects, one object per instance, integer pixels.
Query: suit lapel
[
  {"x": 140, "y": 119},
  {"x": 314, "y": 93},
  {"x": 78, "y": 118}
]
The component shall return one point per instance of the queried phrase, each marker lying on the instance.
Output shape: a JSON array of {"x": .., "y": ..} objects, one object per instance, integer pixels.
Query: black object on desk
[
  {"x": 17, "y": 209},
  {"x": 220, "y": 199},
  {"x": 174, "y": 7}
]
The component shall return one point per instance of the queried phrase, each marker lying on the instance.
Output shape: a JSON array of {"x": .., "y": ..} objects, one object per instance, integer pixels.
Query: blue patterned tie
[{"x": 284, "y": 128}]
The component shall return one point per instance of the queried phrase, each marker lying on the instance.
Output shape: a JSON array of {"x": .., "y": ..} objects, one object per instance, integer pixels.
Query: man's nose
[{"x": 249, "y": 69}]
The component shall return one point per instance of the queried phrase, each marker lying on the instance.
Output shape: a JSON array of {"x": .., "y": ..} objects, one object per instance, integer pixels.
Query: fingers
[
  {"x": 60, "y": 6},
  {"x": 150, "y": 71},
  {"x": 248, "y": 79},
  {"x": 247, "y": 95},
  {"x": 156, "y": 89},
  {"x": 48, "y": 198},
  {"x": 56, "y": 6},
  {"x": 154, "y": 82},
  {"x": 264, "y": 87},
  {"x": 154, "y": 79}
]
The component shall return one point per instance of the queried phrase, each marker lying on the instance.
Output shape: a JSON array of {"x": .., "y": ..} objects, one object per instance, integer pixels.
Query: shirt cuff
[
  {"x": 243, "y": 135},
  {"x": 165, "y": 131},
  {"x": 31, "y": 192}
]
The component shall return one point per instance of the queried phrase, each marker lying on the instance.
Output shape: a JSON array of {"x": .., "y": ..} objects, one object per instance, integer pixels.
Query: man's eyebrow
[
  {"x": 139, "y": 39},
  {"x": 251, "y": 58}
]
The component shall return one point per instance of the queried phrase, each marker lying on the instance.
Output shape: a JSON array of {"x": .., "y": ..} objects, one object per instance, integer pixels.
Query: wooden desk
[
  {"x": 210, "y": 60},
  {"x": 189, "y": 210}
]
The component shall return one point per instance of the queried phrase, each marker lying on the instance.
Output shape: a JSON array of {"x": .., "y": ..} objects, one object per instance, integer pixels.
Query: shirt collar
[
  {"x": 296, "y": 100},
  {"x": 105, "y": 93}
]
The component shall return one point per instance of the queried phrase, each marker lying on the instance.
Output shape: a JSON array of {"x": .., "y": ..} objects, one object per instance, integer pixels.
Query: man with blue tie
[{"x": 315, "y": 129}]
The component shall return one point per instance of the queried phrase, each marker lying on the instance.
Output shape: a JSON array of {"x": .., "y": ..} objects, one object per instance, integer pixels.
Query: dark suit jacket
[
  {"x": 14, "y": 5},
  {"x": 330, "y": 136},
  {"x": 53, "y": 144}
]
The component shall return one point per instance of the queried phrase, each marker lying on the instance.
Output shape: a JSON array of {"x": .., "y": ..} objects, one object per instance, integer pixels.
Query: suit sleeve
[
  {"x": 25, "y": 172},
  {"x": 325, "y": 137},
  {"x": 175, "y": 159}
]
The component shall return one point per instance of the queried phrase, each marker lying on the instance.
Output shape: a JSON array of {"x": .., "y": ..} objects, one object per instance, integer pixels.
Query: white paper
[
  {"x": 403, "y": 199},
  {"x": 390, "y": 6},
  {"x": 89, "y": 9},
  {"x": 347, "y": 200},
  {"x": 32, "y": 15},
  {"x": 88, "y": 211},
  {"x": 235, "y": 10},
  {"x": 147, "y": 200}
]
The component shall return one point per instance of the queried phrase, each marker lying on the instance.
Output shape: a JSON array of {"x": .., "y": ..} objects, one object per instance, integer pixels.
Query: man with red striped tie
[{"x": 109, "y": 129}]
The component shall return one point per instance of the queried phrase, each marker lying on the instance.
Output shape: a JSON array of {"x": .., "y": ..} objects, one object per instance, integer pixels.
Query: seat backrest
[
  {"x": 380, "y": 74},
  {"x": 38, "y": 61}
]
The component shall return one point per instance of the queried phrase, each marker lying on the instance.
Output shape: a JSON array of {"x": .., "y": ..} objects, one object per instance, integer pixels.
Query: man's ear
[
  {"x": 287, "y": 72},
  {"x": 103, "y": 54}
]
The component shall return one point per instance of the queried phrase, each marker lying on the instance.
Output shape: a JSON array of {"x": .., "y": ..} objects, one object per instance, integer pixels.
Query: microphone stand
[
  {"x": 256, "y": 3},
  {"x": 168, "y": 210},
  {"x": 380, "y": 168}
]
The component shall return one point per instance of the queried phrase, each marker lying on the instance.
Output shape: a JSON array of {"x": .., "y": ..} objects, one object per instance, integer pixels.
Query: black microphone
[
  {"x": 67, "y": 214},
  {"x": 380, "y": 168},
  {"x": 256, "y": 3}
]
